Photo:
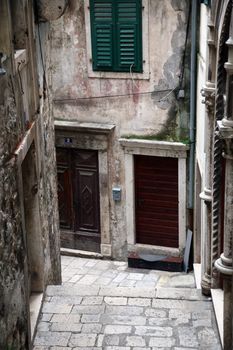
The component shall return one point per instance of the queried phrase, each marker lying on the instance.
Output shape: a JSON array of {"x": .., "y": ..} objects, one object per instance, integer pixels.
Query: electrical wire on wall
[
  {"x": 132, "y": 78},
  {"x": 168, "y": 91},
  {"x": 64, "y": 100}
]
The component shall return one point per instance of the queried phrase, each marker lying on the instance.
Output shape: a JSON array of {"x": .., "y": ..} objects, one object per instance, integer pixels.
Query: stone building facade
[
  {"x": 214, "y": 197},
  {"x": 117, "y": 123},
  {"x": 29, "y": 231}
]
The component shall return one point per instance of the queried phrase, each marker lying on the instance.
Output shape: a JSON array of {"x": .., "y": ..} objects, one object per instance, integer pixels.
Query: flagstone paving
[{"x": 106, "y": 305}]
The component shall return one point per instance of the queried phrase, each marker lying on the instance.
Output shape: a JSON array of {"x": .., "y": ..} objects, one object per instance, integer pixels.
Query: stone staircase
[{"x": 90, "y": 315}]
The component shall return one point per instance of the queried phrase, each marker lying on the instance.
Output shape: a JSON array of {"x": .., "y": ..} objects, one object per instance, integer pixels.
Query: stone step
[
  {"x": 80, "y": 253},
  {"x": 162, "y": 263},
  {"x": 80, "y": 290},
  {"x": 181, "y": 294},
  {"x": 132, "y": 292}
]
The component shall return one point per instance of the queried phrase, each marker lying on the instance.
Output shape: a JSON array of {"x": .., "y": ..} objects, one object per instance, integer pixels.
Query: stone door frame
[
  {"x": 32, "y": 239},
  {"x": 161, "y": 149},
  {"x": 91, "y": 136}
]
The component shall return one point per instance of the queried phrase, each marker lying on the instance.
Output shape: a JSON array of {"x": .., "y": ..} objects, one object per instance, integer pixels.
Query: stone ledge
[
  {"x": 162, "y": 148},
  {"x": 140, "y": 248},
  {"x": 95, "y": 128},
  {"x": 180, "y": 294},
  {"x": 177, "y": 146},
  {"x": 80, "y": 253},
  {"x": 133, "y": 292},
  {"x": 155, "y": 262},
  {"x": 80, "y": 290}
]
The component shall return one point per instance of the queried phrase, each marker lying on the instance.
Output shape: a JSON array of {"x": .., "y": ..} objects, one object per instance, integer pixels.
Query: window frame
[{"x": 145, "y": 75}]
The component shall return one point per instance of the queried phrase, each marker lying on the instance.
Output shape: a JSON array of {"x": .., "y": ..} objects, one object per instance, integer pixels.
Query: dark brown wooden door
[
  {"x": 156, "y": 200},
  {"x": 78, "y": 198},
  {"x": 65, "y": 193}
]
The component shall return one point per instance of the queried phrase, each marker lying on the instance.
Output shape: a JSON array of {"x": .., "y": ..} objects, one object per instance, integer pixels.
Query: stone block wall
[{"x": 28, "y": 198}]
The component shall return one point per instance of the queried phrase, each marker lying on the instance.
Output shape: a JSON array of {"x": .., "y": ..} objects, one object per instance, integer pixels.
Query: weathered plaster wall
[
  {"x": 143, "y": 109},
  {"x": 167, "y": 21},
  {"x": 14, "y": 135}
]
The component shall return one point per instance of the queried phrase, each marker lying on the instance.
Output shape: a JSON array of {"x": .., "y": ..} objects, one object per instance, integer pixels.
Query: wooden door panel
[
  {"x": 77, "y": 240},
  {"x": 78, "y": 195},
  {"x": 156, "y": 200},
  {"x": 85, "y": 159},
  {"x": 87, "y": 200},
  {"x": 64, "y": 189}
]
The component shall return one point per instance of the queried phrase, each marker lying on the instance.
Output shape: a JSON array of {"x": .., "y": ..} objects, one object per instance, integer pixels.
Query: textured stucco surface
[{"x": 142, "y": 114}]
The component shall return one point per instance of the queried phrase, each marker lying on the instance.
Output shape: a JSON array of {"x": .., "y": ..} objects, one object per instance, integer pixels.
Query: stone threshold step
[
  {"x": 80, "y": 253},
  {"x": 154, "y": 262}
]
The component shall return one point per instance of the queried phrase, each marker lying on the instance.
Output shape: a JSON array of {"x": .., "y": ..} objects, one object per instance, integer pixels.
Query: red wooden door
[
  {"x": 78, "y": 198},
  {"x": 156, "y": 200}
]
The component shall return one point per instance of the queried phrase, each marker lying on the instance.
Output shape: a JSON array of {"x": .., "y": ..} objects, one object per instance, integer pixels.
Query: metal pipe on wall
[{"x": 192, "y": 120}]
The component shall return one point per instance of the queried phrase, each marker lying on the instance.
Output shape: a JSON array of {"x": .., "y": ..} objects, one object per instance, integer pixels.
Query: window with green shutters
[{"x": 116, "y": 33}]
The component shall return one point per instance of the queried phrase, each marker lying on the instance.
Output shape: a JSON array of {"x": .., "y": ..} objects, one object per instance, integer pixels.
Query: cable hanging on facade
[{"x": 64, "y": 100}]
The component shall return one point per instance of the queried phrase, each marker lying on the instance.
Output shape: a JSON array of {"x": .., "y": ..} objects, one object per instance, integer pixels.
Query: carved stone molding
[
  {"x": 224, "y": 265},
  {"x": 228, "y": 149},
  {"x": 225, "y": 132},
  {"x": 206, "y": 284},
  {"x": 212, "y": 34},
  {"x": 208, "y": 92},
  {"x": 206, "y": 196},
  {"x": 227, "y": 123}
]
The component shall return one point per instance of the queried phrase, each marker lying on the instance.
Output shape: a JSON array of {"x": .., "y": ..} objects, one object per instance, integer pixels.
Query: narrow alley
[
  {"x": 116, "y": 145},
  {"x": 106, "y": 305}
]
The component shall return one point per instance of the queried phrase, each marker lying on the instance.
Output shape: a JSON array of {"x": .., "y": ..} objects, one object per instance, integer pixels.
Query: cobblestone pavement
[{"x": 105, "y": 305}]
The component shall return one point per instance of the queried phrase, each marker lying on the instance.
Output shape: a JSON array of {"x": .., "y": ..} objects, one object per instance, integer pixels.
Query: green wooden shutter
[
  {"x": 129, "y": 35},
  {"x": 116, "y": 28},
  {"x": 102, "y": 34}
]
